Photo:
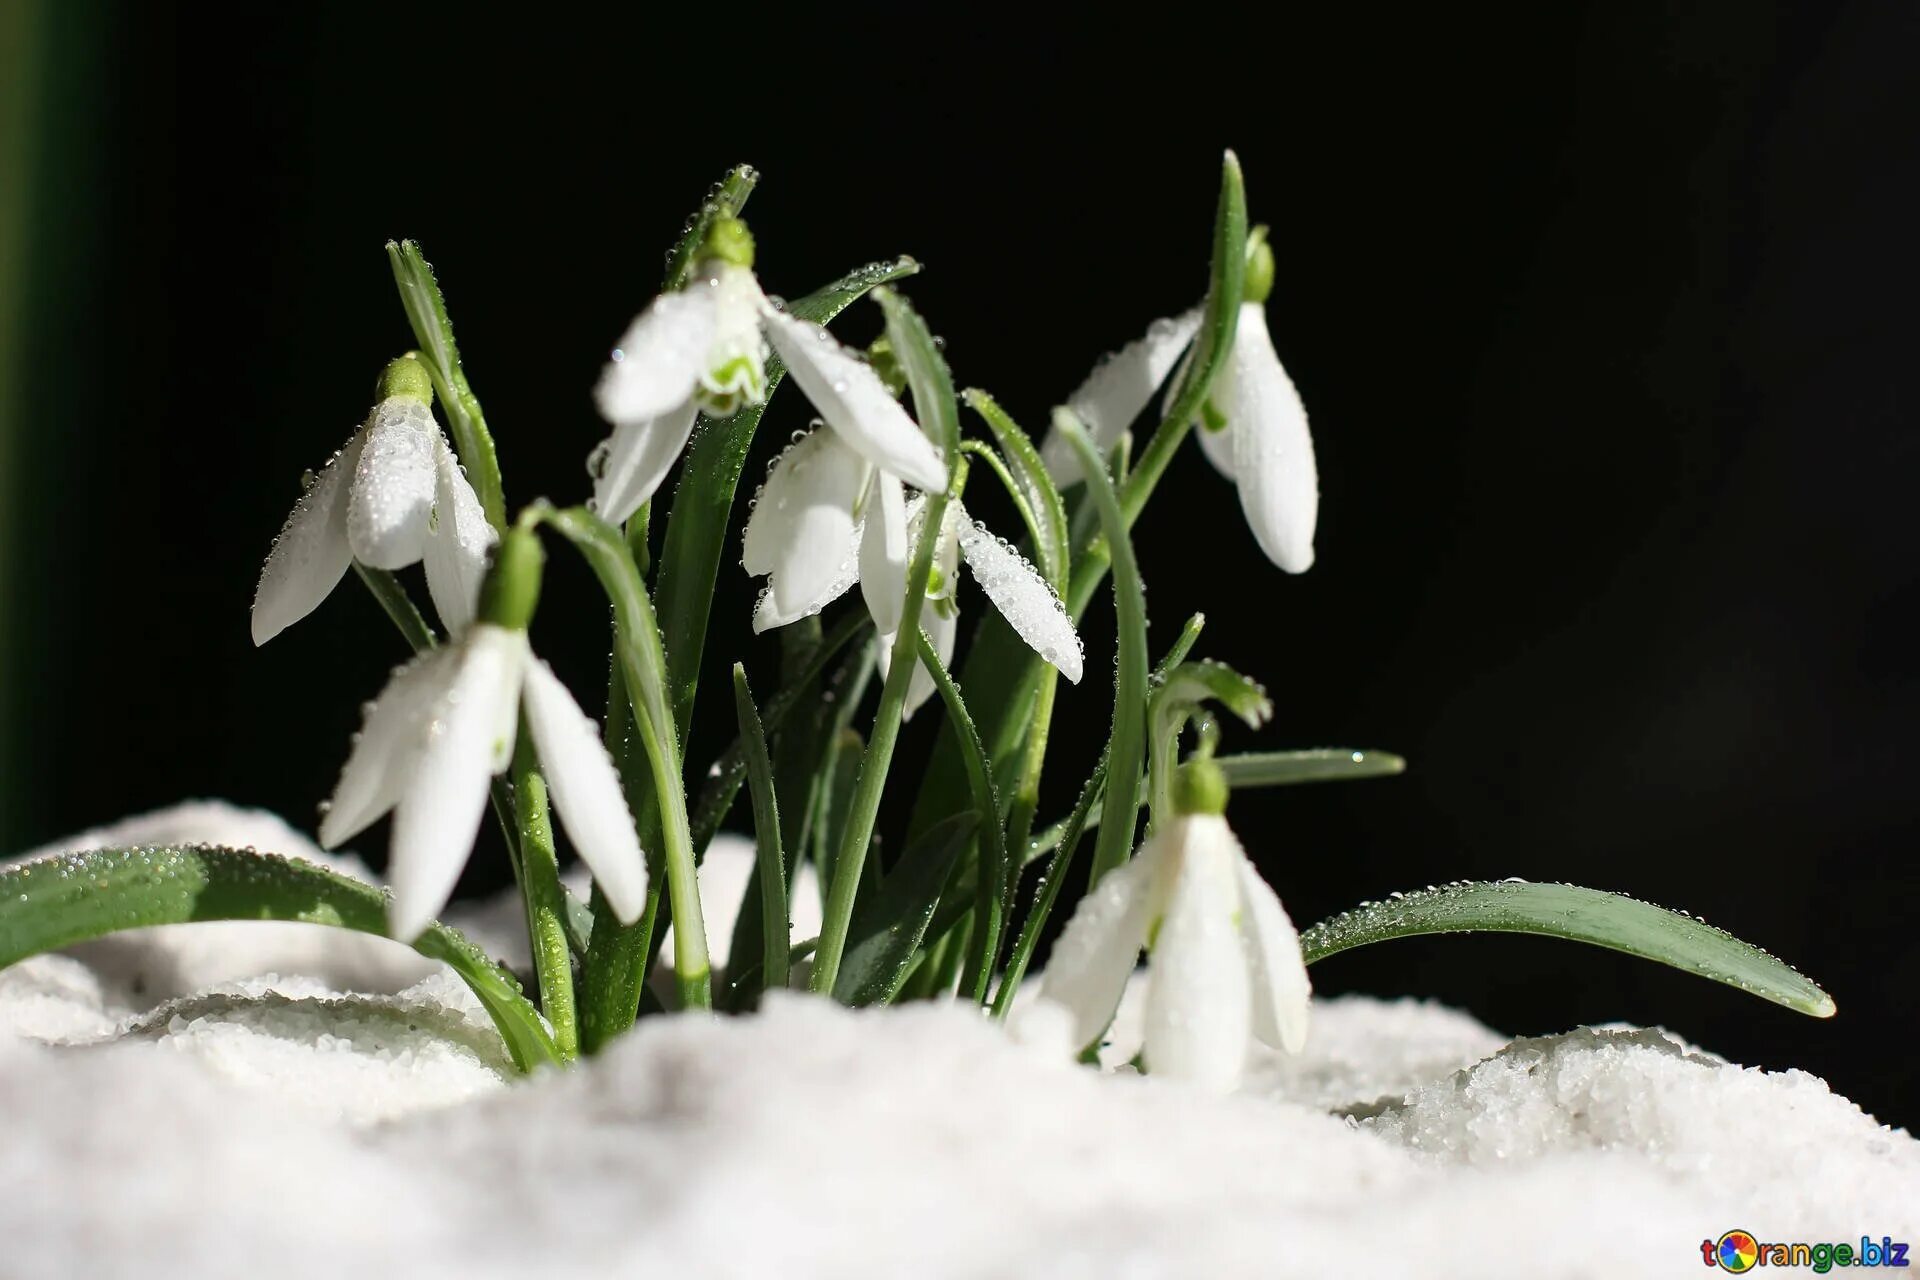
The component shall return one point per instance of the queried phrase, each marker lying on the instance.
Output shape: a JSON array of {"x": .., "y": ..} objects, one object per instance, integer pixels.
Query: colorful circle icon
[{"x": 1736, "y": 1251}]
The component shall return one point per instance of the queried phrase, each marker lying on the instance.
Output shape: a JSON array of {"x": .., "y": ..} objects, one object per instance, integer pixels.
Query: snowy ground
[{"x": 172, "y": 1107}]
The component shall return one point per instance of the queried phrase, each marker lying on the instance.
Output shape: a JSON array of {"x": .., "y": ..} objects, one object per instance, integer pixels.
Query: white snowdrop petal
[
  {"x": 1199, "y": 1008},
  {"x": 392, "y": 735},
  {"x": 311, "y": 553},
  {"x": 1023, "y": 598},
  {"x": 586, "y": 791},
  {"x": 628, "y": 467},
  {"x": 883, "y": 551},
  {"x": 1282, "y": 993},
  {"x": 1096, "y": 952},
  {"x": 660, "y": 357},
  {"x": 1272, "y": 450},
  {"x": 470, "y": 740},
  {"x": 855, "y": 403},
  {"x": 458, "y": 542},
  {"x": 1119, "y": 387},
  {"x": 802, "y": 531},
  {"x": 393, "y": 485}
]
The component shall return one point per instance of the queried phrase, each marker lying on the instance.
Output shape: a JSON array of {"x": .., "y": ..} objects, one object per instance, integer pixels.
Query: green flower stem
[
  {"x": 545, "y": 899},
  {"x": 392, "y": 596},
  {"x": 933, "y": 399},
  {"x": 1049, "y": 891},
  {"x": 1026, "y": 791},
  {"x": 1000, "y": 674},
  {"x": 643, "y": 667},
  {"x": 776, "y": 936}
]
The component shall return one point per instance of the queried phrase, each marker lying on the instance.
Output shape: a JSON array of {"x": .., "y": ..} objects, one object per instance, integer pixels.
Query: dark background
[{"x": 1604, "y": 316}]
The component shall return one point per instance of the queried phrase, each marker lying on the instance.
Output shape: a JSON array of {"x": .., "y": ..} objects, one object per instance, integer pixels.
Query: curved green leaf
[
  {"x": 889, "y": 926},
  {"x": 56, "y": 902},
  {"x": 770, "y": 860},
  {"x": 1127, "y": 745},
  {"x": 1610, "y": 920},
  {"x": 1047, "y": 516},
  {"x": 724, "y": 199},
  {"x": 1319, "y": 764},
  {"x": 990, "y": 890},
  {"x": 426, "y": 309}
]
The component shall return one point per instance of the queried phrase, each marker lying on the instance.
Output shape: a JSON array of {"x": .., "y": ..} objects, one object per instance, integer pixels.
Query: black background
[{"x": 1604, "y": 317}]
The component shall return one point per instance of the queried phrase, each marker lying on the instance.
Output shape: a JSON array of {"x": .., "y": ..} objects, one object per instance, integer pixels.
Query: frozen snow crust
[{"x": 172, "y": 1107}]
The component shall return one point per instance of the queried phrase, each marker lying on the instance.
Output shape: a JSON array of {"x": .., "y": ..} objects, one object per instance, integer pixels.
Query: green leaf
[
  {"x": 57, "y": 902},
  {"x": 770, "y": 860},
  {"x": 426, "y": 311},
  {"x": 1321, "y": 764},
  {"x": 726, "y": 198},
  {"x": 888, "y": 929},
  {"x": 1127, "y": 745},
  {"x": 1046, "y": 517},
  {"x": 989, "y": 909},
  {"x": 643, "y": 669},
  {"x": 1568, "y": 911},
  {"x": 730, "y": 770}
]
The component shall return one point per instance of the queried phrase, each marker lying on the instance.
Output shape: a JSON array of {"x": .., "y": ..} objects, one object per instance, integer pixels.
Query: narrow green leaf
[
  {"x": 730, "y": 770},
  {"x": 57, "y": 902},
  {"x": 1047, "y": 517},
  {"x": 889, "y": 927},
  {"x": 544, "y": 897},
  {"x": 1610, "y": 920},
  {"x": 989, "y": 905},
  {"x": 770, "y": 861},
  {"x": 1126, "y": 747},
  {"x": 426, "y": 309},
  {"x": 643, "y": 668},
  {"x": 726, "y": 198},
  {"x": 1321, "y": 764}
]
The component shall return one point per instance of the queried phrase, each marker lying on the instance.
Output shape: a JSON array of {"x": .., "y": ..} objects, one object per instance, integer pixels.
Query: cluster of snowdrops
[{"x": 873, "y": 496}]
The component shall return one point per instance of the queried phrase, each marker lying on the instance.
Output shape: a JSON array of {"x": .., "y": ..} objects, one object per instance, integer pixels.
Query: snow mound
[{"x": 284, "y": 1120}]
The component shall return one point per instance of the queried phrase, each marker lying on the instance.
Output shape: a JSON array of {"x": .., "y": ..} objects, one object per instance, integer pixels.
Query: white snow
[{"x": 279, "y": 1126}]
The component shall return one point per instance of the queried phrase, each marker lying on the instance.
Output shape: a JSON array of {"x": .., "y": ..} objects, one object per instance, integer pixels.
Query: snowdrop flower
[
  {"x": 705, "y": 349},
  {"x": 828, "y": 518},
  {"x": 393, "y": 496},
  {"x": 1226, "y": 960},
  {"x": 1254, "y": 430},
  {"x": 446, "y": 724}
]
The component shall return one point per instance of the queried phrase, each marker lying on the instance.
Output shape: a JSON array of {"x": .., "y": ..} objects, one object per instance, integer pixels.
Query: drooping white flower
[
  {"x": 705, "y": 349},
  {"x": 1226, "y": 966},
  {"x": 395, "y": 495},
  {"x": 433, "y": 740},
  {"x": 828, "y": 518},
  {"x": 1260, "y": 441}
]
